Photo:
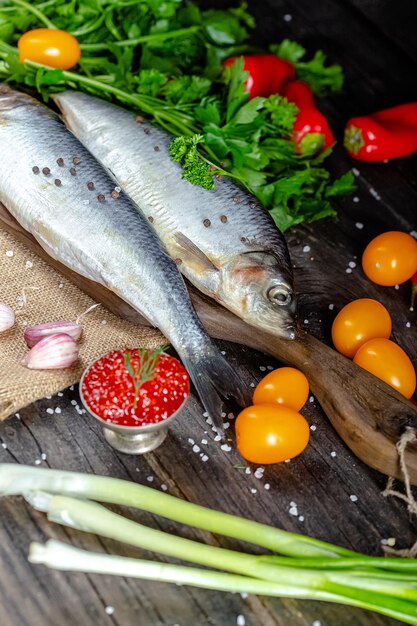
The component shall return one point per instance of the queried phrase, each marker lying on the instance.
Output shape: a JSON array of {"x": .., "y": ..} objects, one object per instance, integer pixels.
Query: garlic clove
[
  {"x": 33, "y": 334},
  {"x": 52, "y": 352},
  {"x": 7, "y": 317}
]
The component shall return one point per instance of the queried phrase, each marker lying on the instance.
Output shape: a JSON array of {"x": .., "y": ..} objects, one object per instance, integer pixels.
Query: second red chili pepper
[
  {"x": 309, "y": 119},
  {"x": 267, "y": 73},
  {"x": 384, "y": 135}
]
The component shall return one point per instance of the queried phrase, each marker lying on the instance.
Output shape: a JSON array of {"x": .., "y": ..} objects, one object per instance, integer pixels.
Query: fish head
[{"x": 257, "y": 287}]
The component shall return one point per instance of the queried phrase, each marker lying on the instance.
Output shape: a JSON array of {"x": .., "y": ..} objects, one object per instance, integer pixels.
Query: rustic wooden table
[{"x": 326, "y": 492}]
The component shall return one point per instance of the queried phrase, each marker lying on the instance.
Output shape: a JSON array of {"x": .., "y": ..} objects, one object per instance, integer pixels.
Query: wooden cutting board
[{"x": 369, "y": 415}]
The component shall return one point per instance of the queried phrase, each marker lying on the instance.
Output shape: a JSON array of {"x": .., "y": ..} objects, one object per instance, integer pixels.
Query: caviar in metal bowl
[{"x": 135, "y": 394}]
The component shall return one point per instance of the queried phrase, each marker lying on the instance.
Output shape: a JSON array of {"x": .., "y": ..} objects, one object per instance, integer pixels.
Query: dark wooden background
[{"x": 375, "y": 42}]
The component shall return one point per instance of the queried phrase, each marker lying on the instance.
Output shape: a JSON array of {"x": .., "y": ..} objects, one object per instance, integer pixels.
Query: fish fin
[
  {"x": 215, "y": 379},
  {"x": 192, "y": 254}
]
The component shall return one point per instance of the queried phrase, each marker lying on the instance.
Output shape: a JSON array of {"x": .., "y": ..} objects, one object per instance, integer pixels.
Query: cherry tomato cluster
[
  {"x": 273, "y": 430},
  {"x": 361, "y": 330}
]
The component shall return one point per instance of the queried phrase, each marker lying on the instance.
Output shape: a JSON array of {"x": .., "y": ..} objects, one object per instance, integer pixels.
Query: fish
[
  {"x": 58, "y": 192},
  {"x": 224, "y": 242}
]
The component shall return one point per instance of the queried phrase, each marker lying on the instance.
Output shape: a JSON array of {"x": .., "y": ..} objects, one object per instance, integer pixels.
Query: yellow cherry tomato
[
  {"x": 390, "y": 258},
  {"x": 285, "y": 385},
  {"x": 386, "y": 360},
  {"x": 358, "y": 322},
  {"x": 270, "y": 433},
  {"x": 48, "y": 46}
]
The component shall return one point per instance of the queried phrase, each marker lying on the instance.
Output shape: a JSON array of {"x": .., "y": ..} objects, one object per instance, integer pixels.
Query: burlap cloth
[{"x": 56, "y": 298}]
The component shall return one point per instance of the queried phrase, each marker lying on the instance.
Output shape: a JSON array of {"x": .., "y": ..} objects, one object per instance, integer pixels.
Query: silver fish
[
  {"x": 57, "y": 191},
  {"x": 223, "y": 240}
]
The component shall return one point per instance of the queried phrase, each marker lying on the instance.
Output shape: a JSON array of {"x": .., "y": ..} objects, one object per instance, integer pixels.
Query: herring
[
  {"x": 58, "y": 192},
  {"x": 223, "y": 241}
]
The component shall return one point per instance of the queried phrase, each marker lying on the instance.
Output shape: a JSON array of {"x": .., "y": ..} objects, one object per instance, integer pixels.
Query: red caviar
[{"x": 108, "y": 389}]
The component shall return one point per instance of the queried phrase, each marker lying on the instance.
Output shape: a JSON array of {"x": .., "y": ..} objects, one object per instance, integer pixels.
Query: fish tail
[{"x": 215, "y": 379}]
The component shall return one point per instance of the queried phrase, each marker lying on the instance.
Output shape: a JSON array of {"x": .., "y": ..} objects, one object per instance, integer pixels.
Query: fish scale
[
  {"x": 101, "y": 237},
  {"x": 224, "y": 242}
]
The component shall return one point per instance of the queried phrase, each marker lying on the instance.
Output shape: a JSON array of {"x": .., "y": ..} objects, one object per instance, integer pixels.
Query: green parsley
[{"x": 163, "y": 59}]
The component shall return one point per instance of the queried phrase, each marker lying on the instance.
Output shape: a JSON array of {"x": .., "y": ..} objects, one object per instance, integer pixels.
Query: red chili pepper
[
  {"x": 309, "y": 120},
  {"x": 384, "y": 135},
  {"x": 413, "y": 289},
  {"x": 267, "y": 73}
]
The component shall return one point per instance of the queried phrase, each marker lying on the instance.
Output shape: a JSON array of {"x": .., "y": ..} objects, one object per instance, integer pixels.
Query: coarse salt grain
[
  {"x": 293, "y": 510},
  {"x": 109, "y": 610},
  {"x": 9, "y": 253},
  {"x": 333, "y": 453},
  {"x": 204, "y": 458},
  {"x": 164, "y": 487},
  {"x": 306, "y": 249},
  {"x": 253, "y": 490},
  {"x": 50, "y": 411},
  {"x": 348, "y": 270},
  {"x": 259, "y": 472},
  {"x": 58, "y": 410},
  {"x": 301, "y": 518},
  {"x": 355, "y": 199},
  {"x": 150, "y": 479},
  {"x": 352, "y": 264},
  {"x": 267, "y": 486},
  {"x": 196, "y": 448},
  {"x": 240, "y": 620},
  {"x": 353, "y": 498},
  {"x": 4, "y": 445},
  {"x": 313, "y": 427},
  {"x": 287, "y": 17},
  {"x": 316, "y": 622},
  {"x": 217, "y": 438},
  {"x": 225, "y": 447},
  {"x": 29, "y": 264}
]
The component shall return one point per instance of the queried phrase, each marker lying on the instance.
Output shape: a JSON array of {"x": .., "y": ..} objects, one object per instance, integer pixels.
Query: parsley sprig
[{"x": 163, "y": 59}]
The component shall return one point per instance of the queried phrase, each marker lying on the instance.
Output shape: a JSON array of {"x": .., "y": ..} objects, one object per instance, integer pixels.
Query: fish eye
[{"x": 279, "y": 295}]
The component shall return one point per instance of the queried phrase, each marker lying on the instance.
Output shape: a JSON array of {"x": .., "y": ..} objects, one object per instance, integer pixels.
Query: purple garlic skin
[
  {"x": 33, "y": 334},
  {"x": 7, "y": 317},
  {"x": 52, "y": 352}
]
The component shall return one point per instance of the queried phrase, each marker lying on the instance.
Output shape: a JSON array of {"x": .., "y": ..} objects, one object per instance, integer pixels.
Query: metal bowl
[{"x": 133, "y": 439}]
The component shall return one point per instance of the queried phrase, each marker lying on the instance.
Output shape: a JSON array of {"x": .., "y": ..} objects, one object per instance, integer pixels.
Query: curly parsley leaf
[{"x": 195, "y": 169}]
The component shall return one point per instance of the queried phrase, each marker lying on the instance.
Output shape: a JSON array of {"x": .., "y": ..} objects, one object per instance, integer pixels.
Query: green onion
[
  {"x": 58, "y": 555},
  {"x": 386, "y": 586},
  {"x": 19, "y": 479}
]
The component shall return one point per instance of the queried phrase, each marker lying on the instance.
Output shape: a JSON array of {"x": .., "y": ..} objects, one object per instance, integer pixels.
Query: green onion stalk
[{"x": 310, "y": 569}]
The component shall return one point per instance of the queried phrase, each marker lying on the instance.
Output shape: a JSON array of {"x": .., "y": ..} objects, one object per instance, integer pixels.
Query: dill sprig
[{"x": 145, "y": 370}]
